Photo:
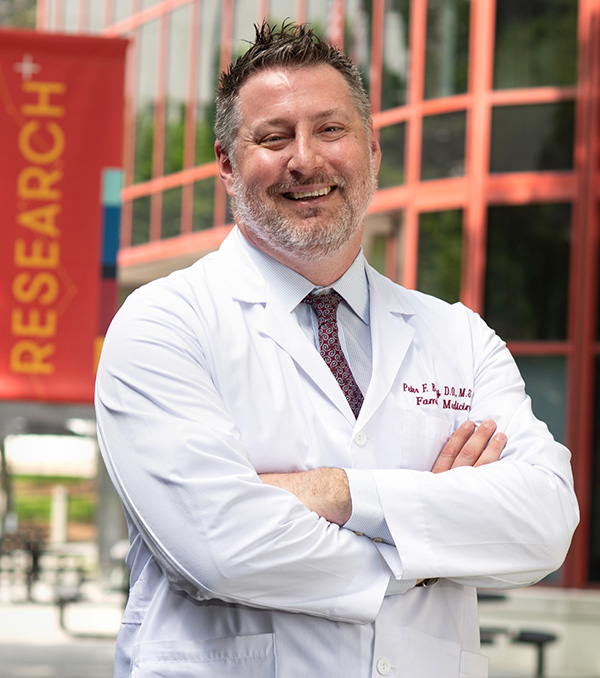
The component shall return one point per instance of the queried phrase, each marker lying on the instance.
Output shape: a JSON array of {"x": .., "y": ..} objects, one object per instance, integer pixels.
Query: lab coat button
[
  {"x": 384, "y": 666},
  {"x": 361, "y": 438}
]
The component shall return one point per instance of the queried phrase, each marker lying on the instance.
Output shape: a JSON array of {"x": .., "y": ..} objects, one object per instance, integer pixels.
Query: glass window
[
  {"x": 357, "y": 37},
  {"x": 70, "y": 16},
  {"x": 443, "y": 153},
  {"x": 383, "y": 242},
  {"x": 208, "y": 71},
  {"x": 144, "y": 123},
  {"x": 377, "y": 252},
  {"x": 95, "y": 16},
  {"x": 527, "y": 273},
  {"x": 144, "y": 141},
  {"x": 244, "y": 18},
  {"x": 140, "y": 221},
  {"x": 229, "y": 218},
  {"x": 149, "y": 3},
  {"x": 394, "y": 75},
  {"x": 536, "y": 43},
  {"x": 171, "y": 213},
  {"x": 440, "y": 254},
  {"x": 122, "y": 10},
  {"x": 391, "y": 172},
  {"x": 278, "y": 11},
  {"x": 545, "y": 383},
  {"x": 594, "y": 564},
  {"x": 204, "y": 204},
  {"x": 317, "y": 13},
  {"x": 447, "y": 48},
  {"x": 532, "y": 138},
  {"x": 125, "y": 226},
  {"x": 177, "y": 75}
]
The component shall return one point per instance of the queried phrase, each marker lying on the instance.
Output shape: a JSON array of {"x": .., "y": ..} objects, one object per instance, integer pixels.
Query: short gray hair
[{"x": 293, "y": 46}]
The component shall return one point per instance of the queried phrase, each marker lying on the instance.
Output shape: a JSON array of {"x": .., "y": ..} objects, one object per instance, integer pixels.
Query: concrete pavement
[{"x": 34, "y": 645}]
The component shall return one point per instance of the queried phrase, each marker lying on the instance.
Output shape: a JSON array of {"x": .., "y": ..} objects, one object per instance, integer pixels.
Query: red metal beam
[
  {"x": 200, "y": 241},
  {"x": 520, "y": 188},
  {"x": 583, "y": 286},
  {"x": 376, "y": 58},
  {"x": 538, "y": 348},
  {"x": 189, "y": 148},
  {"x": 263, "y": 10},
  {"x": 301, "y": 11},
  {"x": 158, "y": 147},
  {"x": 336, "y": 23},
  {"x": 227, "y": 17},
  {"x": 131, "y": 87},
  {"x": 140, "y": 17},
  {"x": 414, "y": 128},
  {"x": 41, "y": 15},
  {"x": 58, "y": 22},
  {"x": 481, "y": 60}
]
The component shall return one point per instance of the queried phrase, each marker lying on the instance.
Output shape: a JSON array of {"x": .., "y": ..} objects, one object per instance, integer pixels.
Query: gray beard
[{"x": 268, "y": 225}]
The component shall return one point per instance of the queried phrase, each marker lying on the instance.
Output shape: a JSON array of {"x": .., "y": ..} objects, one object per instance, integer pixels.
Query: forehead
[{"x": 307, "y": 90}]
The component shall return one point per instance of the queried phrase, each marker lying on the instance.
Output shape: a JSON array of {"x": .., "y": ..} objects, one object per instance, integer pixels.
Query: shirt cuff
[
  {"x": 397, "y": 587},
  {"x": 367, "y": 519},
  {"x": 367, "y": 514}
]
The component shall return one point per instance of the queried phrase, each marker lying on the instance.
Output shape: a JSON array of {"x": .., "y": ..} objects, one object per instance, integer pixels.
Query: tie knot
[{"x": 325, "y": 305}]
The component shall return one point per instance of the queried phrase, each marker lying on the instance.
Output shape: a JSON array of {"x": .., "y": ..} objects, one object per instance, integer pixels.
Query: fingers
[
  {"x": 471, "y": 446},
  {"x": 493, "y": 450},
  {"x": 453, "y": 447},
  {"x": 483, "y": 447}
]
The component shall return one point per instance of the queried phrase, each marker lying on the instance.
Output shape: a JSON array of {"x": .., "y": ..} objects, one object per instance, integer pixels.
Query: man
[{"x": 281, "y": 525}]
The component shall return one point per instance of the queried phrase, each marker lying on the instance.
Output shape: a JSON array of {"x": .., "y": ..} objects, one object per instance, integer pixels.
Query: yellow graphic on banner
[{"x": 35, "y": 288}]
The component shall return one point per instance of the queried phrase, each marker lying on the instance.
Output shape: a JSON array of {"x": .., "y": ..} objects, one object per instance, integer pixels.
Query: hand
[
  {"x": 471, "y": 446},
  {"x": 322, "y": 490}
]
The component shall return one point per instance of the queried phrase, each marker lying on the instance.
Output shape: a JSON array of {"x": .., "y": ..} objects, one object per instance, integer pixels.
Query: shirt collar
[{"x": 291, "y": 287}]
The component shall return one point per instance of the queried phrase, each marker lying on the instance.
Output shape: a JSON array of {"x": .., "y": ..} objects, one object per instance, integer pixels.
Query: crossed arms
[
  {"x": 175, "y": 423},
  {"x": 326, "y": 491}
]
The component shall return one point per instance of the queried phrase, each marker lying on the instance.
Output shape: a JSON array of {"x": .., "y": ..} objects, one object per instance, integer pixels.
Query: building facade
[{"x": 488, "y": 116}]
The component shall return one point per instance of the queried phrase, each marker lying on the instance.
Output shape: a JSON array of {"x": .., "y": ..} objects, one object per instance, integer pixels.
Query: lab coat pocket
[
  {"x": 234, "y": 657},
  {"x": 423, "y": 438},
  {"x": 473, "y": 665}
]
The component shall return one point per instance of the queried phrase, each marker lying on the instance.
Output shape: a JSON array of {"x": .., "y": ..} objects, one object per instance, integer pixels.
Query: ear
[
  {"x": 375, "y": 148},
  {"x": 225, "y": 168}
]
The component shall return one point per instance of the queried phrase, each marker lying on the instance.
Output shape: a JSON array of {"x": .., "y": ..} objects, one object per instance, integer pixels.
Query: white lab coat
[{"x": 204, "y": 382}]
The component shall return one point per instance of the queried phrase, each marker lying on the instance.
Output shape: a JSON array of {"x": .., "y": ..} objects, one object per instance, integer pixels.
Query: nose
[{"x": 306, "y": 156}]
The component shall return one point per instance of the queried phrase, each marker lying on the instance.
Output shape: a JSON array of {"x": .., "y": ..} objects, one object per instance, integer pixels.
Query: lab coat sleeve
[
  {"x": 174, "y": 454},
  {"x": 503, "y": 525}
]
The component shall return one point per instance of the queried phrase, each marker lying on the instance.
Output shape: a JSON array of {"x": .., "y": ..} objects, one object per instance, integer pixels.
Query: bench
[{"x": 539, "y": 639}]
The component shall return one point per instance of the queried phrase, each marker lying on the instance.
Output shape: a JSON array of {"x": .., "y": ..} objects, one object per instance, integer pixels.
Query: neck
[{"x": 323, "y": 270}]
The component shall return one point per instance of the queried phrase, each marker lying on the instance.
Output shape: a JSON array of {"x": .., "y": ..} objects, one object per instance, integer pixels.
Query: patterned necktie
[{"x": 325, "y": 307}]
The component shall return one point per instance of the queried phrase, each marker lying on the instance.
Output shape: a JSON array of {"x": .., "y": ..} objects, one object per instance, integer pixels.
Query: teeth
[{"x": 310, "y": 194}]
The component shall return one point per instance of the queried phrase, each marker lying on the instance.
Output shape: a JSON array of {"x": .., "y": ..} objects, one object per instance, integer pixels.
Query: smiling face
[{"x": 304, "y": 167}]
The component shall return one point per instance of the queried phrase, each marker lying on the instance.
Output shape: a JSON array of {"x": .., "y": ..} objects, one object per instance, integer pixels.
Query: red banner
[{"x": 61, "y": 116}]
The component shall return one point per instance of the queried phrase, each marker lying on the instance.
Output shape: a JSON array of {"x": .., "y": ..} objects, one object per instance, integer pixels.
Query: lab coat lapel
[
  {"x": 279, "y": 325},
  {"x": 272, "y": 320},
  {"x": 391, "y": 337}
]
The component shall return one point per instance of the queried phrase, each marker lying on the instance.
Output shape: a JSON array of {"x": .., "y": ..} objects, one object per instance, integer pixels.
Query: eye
[
  {"x": 332, "y": 131},
  {"x": 273, "y": 140}
]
